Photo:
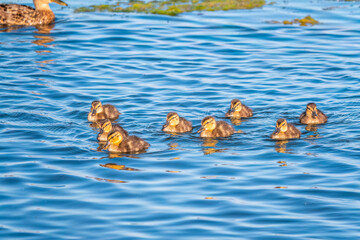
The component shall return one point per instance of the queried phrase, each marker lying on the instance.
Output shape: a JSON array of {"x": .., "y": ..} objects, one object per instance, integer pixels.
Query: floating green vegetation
[
  {"x": 306, "y": 21},
  {"x": 174, "y": 7}
]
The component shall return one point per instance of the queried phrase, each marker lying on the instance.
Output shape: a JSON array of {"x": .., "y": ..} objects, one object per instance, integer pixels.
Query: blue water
[{"x": 54, "y": 185}]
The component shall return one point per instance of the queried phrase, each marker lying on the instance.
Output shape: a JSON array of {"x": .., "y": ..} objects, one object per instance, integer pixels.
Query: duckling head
[
  {"x": 208, "y": 124},
  {"x": 172, "y": 119},
  {"x": 235, "y": 105},
  {"x": 281, "y": 125},
  {"x": 106, "y": 125},
  {"x": 311, "y": 110},
  {"x": 96, "y": 108},
  {"x": 115, "y": 138}
]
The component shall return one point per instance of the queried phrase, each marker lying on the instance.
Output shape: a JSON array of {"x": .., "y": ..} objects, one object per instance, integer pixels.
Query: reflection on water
[
  {"x": 280, "y": 146},
  {"x": 314, "y": 129},
  {"x": 121, "y": 155},
  {"x": 173, "y": 146},
  {"x": 282, "y": 163},
  {"x": 44, "y": 39},
  {"x": 107, "y": 180},
  {"x": 209, "y": 145},
  {"x": 5, "y": 28},
  {"x": 236, "y": 122},
  {"x": 118, "y": 167}
]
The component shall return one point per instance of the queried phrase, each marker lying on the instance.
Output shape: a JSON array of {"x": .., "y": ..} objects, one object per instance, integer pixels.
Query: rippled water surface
[{"x": 53, "y": 181}]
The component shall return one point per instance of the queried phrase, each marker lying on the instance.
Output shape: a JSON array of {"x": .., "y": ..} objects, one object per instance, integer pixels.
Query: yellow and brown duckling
[
  {"x": 238, "y": 110},
  {"x": 285, "y": 130},
  {"x": 312, "y": 115},
  {"x": 15, "y": 14},
  {"x": 118, "y": 143},
  {"x": 176, "y": 124},
  {"x": 212, "y": 128},
  {"x": 99, "y": 112},
  {"x": 106, "y": 127}
]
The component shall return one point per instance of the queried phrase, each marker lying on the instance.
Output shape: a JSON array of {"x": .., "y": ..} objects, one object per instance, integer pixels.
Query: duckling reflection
[
  {"x": 238, "y": 110},
  {"x": 99, "y": 112},
  {"x": 118, "y": 167},
  {"x": 285, "y": 130},
  {"x": 176, "y": 124},
  {"x": 120, "y": 144},
  {"x": 236, "y": 122},
  {"x": 312, "y": 115},
  {"x": 109, "y": 180},
  {"x": 15, "y": 14},
  {"x": 212, "y": 128},
  {"x": 314, "y": 129},
  {"x": 173, "y": 146},
  {"x": 120, "y": 155},
  {"x": 280, "y": 146},
  {"x": 106, "y": 127},
  {"x": 209, "y": 145}
]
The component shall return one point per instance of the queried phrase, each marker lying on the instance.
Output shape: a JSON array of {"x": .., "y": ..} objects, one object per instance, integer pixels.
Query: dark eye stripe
[{"x": 208, "y": 122}]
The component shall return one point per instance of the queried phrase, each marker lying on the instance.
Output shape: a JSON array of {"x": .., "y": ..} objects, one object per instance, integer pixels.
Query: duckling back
[
  {"x": 132, "y": 144},
  {"x": 223, "y": 129},
  {"x": 110, "y": 111},
  {"x": 14, "y": 14},
  {"x": 183, "y": 126}
]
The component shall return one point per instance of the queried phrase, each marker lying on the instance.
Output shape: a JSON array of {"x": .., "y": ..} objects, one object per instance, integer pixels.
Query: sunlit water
[{"x": 53, "y": 181}]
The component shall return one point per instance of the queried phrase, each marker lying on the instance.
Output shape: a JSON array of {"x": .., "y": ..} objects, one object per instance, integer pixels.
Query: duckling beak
[
  {"x": 106, "y": 146},
  {"x": 232, "y": 110},
  {"x": 314, "y": 114},
  {"x": 59, "y": 2},
  {"x": 93, "y": 113},
  {"x": 277, "y": 130},
  {"x": 166, "y": 124},
  {"x": 200, "y": 130}
]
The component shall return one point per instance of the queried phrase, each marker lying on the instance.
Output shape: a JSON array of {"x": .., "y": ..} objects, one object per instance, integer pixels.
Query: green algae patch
[
  {"x": 306, "y": 21},
  {"x": 174, "y": 7}
]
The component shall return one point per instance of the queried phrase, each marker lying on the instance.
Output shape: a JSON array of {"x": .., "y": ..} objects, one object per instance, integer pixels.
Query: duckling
[
  {"x": 106, "y": 127},
  {"x": 99, "y": 112},
  {"x": 15, "y": 14},
  {"x": 118, "y": 143},
  {"x": 285, "y": 130},
  {"x": 176, "y": 124},
  {"x": 312, "y": 115},
  {"x": 212, "y": 128},
  {"x": 238, "y": 110}
]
